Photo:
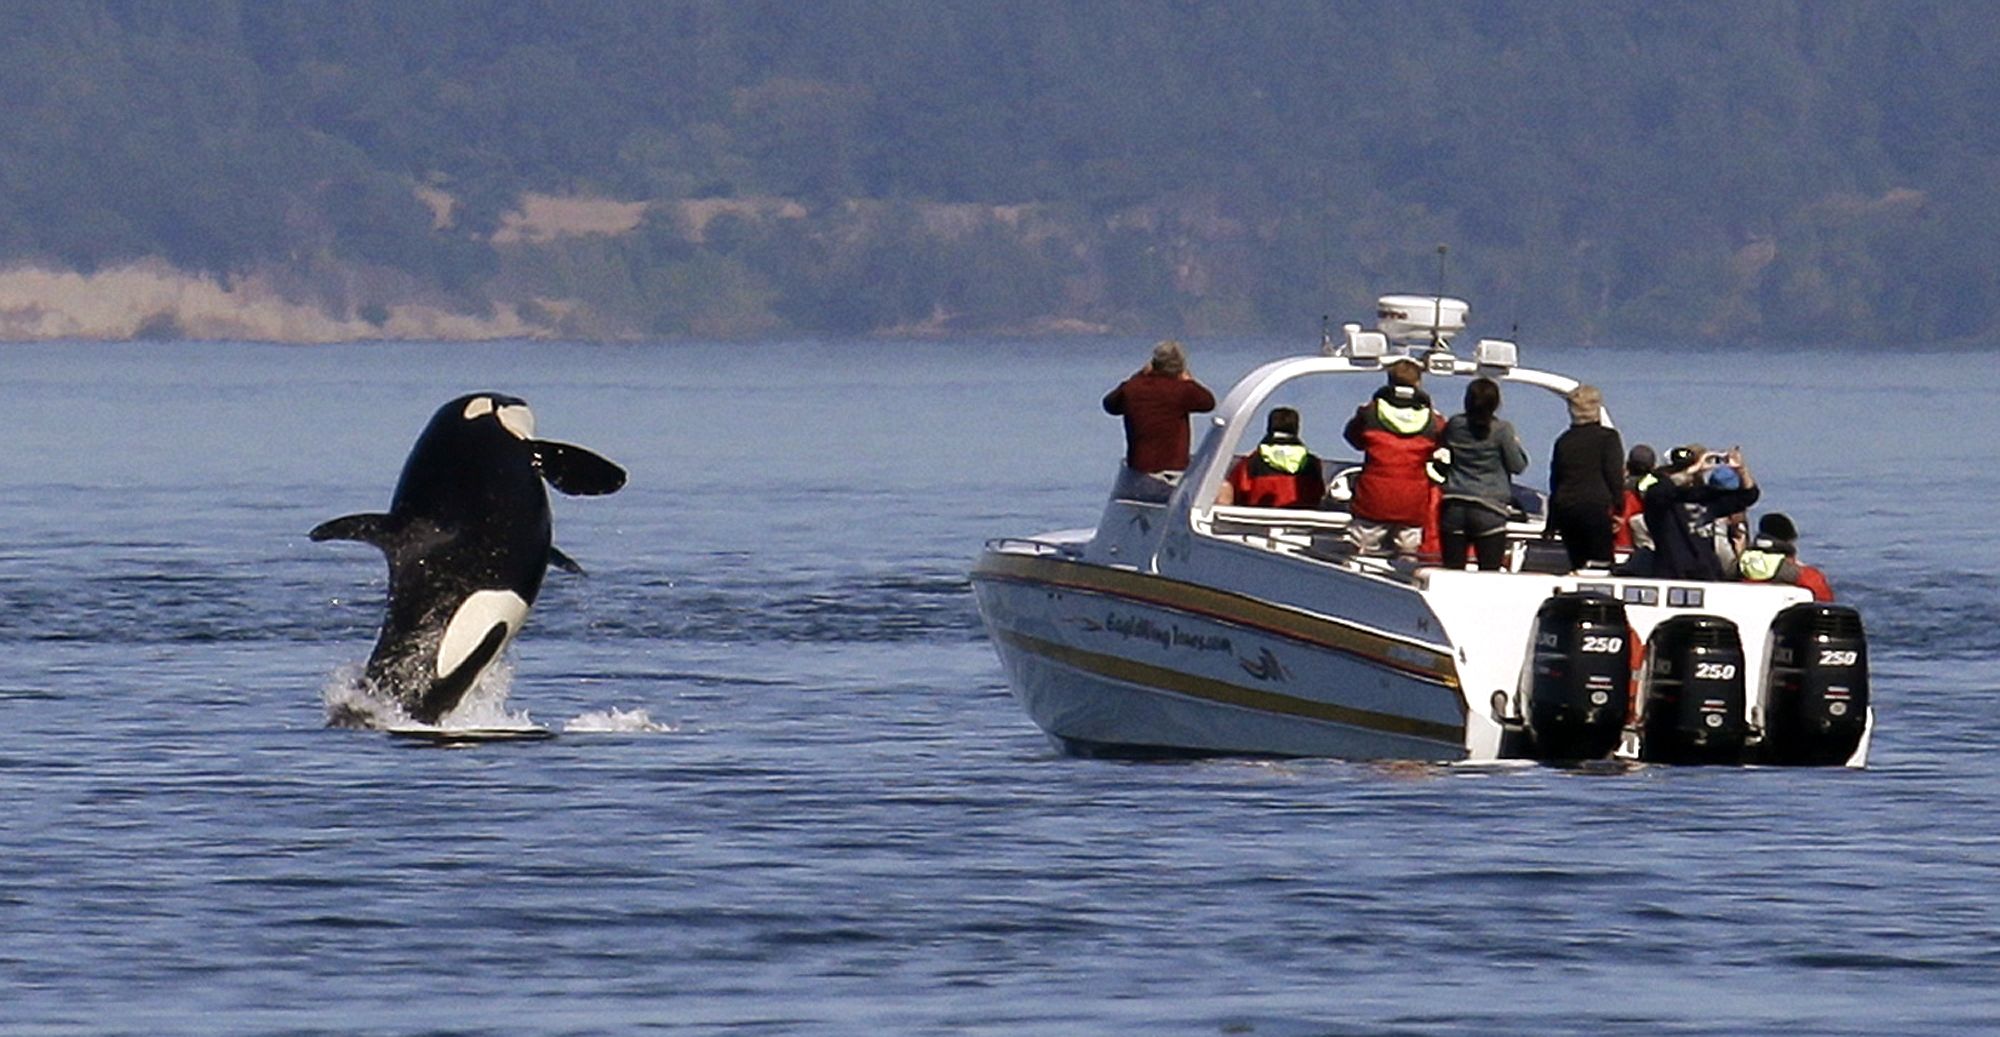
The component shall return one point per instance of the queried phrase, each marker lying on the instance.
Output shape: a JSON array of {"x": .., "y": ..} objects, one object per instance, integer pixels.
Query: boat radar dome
[{"x": 1410, "y": 320}]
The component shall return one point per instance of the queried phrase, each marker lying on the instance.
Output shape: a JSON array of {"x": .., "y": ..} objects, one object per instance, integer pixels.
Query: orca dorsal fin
[
  {"x": 564, "y": 562},
  {"x": 368, "y": 528},
  {"x": 575, "y": 470}
]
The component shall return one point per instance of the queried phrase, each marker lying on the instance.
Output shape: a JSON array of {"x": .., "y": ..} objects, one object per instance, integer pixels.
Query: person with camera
[
  {"x": 1695, "y": 487},
  {"x": 1155, "y": 404}
]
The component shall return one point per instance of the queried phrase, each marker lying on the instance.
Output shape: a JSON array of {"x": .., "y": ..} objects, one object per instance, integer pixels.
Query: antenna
[
  {"x": 1325, "y": 335},
  {"x": 1437, "y": 304}
]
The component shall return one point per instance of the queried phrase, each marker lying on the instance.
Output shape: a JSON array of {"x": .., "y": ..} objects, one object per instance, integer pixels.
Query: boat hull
[{"x": 1114, "y": 662}]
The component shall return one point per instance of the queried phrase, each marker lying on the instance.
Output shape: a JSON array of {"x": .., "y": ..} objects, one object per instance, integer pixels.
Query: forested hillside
[{"x": 1785, "y": 171}]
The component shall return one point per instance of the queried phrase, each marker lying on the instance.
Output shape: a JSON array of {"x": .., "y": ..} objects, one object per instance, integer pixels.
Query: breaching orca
[{"x": 467, "y": 538}]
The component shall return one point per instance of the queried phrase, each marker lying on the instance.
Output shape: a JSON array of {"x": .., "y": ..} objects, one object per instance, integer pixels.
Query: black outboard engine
[
  {"x": 1816, "y": 705},
  {"x": 1694, "y": 692},
  {"x": 1579, "y": 677}
]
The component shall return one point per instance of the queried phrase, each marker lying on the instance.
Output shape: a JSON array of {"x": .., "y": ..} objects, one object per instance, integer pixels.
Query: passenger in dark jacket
[
  {"x": 1684, "y": 502},
  {"x": 1586, "y": 481},
  {"x": 1482, "y": 455}
]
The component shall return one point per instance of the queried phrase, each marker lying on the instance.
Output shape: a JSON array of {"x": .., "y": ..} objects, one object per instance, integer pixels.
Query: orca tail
[{"x": 574, "y": 470}]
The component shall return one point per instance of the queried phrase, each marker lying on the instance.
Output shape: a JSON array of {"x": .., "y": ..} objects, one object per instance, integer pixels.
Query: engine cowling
[
  {"x": 1816, "y": 705},
  {"x": 1578, "y": 677},
  {"x": 1694, "y": 698}
]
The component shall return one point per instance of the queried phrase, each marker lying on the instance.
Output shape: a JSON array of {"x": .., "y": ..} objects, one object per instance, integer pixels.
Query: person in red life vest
[
  {"x": 1280, "y": 473},
  {"x": 1396, "y": 432},
  {"x": 1773, "y": 557},
  {"x": 1629, "y": 525},
  {"x": 1155, "y": 404},
  {"x": 1587, "y": 481}
]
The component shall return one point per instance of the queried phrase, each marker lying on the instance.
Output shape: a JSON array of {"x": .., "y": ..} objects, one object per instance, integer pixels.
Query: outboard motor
[
  {"x": 1579, "y": 677},
  {"x": 1694, "y": 692},
  {"x": 1816, "y": 708}
]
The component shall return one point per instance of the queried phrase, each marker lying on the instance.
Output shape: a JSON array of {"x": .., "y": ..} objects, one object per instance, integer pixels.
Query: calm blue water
[{"x": 829, "y": 816}]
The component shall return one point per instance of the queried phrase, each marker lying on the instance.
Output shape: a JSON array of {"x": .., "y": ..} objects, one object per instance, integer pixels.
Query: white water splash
[
  {"x": 351, "y": 702},
  {"x": 614, "y": 721},
  {"x": 485, "y": 706}
]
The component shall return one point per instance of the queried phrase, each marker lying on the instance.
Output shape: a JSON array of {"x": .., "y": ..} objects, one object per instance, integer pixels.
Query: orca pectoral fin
[
  {"x": 564, "y": 562},
  {"x": 576, "y": 471},
  {"x": 372, "y": 528}
]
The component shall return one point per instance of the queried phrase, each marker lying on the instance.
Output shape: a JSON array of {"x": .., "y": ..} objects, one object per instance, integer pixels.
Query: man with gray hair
[{"x": 1155, "y": 404}]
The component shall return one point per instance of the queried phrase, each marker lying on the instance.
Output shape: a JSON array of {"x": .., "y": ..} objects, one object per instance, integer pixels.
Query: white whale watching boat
[{"x": 1181, "y": 626}]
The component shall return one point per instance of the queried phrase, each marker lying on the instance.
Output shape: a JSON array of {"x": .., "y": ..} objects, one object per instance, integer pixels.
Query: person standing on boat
[
  {"x": 1773, "y": 557},
  {"x": 1280, "y": 473},
  {"x": 1586, "y": 481},
  {"x": 1396, "y": 432},
  {"x": 1480, "y": 457},
  {"x": 1682, "y": 506},
  {"x": 1155, "y": 404}
]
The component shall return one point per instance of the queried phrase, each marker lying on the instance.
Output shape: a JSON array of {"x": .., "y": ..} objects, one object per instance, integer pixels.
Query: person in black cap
[
  {"x": 1773, "y": 557},
  {"x": 1686, "y": 500},
  {"x": 1280, "y": 473}
]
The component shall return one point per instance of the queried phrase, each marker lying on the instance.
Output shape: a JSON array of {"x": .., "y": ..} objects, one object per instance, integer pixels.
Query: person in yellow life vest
[
  {"x": 1396, "y": 431},
  {"x": 1772, "y": 557},
  {"x": 1280, "y": 473}
]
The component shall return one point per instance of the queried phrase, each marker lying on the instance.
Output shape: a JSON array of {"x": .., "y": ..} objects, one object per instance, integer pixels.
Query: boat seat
[
  {"x": 1253, "y": 521},
  {"x": 1541, "y": 556}
]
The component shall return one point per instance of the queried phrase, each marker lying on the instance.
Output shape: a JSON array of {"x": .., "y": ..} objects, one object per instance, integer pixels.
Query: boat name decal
[{"x": 1172, "y": 635}]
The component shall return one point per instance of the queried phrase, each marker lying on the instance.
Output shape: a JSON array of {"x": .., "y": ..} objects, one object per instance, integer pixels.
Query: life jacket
[
  {"x": 1280, "y": 474},
  {"x": 1769, "y": 561},
  {"x": 1633, "y": 507},
  {"x": 1759, "y": 565},
  {"x": 1283, "y": 457},
  {"x": 1396, "y": 442}
]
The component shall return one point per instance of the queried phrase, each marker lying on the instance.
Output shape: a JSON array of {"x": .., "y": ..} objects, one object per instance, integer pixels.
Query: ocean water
[{"x": 790, "y": 793}]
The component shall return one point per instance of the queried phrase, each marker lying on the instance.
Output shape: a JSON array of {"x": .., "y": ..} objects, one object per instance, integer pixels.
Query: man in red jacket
[
  {"x": 1396, "y": 432},
  {"x": 1156, "y": 403}
]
